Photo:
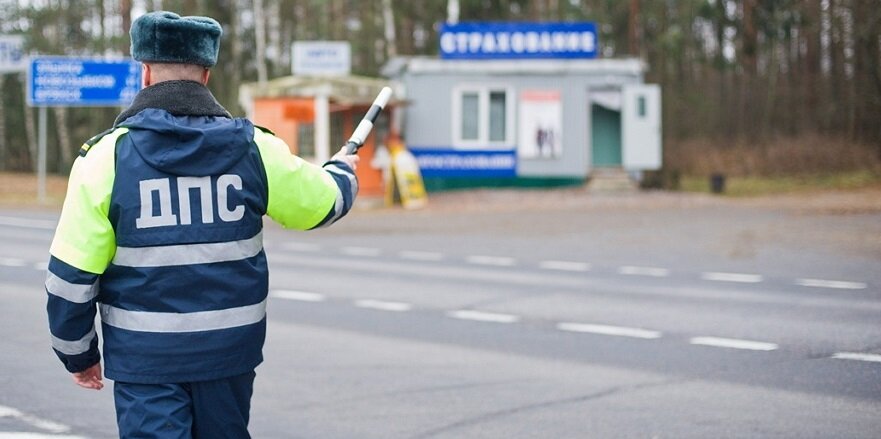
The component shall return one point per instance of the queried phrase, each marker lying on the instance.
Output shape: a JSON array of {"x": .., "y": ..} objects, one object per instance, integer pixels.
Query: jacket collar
[{"x": 179, "y": 98}]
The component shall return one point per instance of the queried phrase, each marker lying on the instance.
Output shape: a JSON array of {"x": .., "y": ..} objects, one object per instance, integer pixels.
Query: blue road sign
[
  {"x": 518, "y": 40},
  {"x": 80, "y": 82}
]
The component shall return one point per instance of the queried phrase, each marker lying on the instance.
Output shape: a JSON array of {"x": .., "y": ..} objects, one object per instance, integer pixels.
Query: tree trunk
[
  {"x": 125, "y": 11},
  {"x": 64, "y": 144},
  {"x": 4, "y": 149},
  {"x": 633, "y": 29},
  {"x": 260, "y": 33},
  {"x": 388, "y": 16},
  {"x": 30, "y": 129},
  {"x": 236, "y": 36}
]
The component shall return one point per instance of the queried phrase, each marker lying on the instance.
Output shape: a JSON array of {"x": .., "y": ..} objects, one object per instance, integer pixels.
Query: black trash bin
[{"x": 717, "y": 183}]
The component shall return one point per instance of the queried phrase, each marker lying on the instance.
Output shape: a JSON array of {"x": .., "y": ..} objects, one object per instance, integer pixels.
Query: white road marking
[
  {"x": 733, "y": 343},
  {"x": 498, "y": 261},
  {"x": 301, "y": 247},
  {"x": 42, "y": 266},
  {"x": 384, "y": 306},
  {"x": 564, "y": 265},
  {"x": 28, "y": 223},
  {"x": 874, "y": 358},
  {"x": 302, "y": 296},
  {"x": 732, "y": 277},
  {"x": 42, "y": 424},
  {"x": 24, "y": 435},
  {"x": 12, "y": 262},
  {"x": 361, "y": 251},
  {"x": 839, "y": 284},
  {"x": 609, "y": 330},
  {"x": 420, "y": 256},
  {"x": 480, "y": 316},
  {"x": 631, "y": 270}
]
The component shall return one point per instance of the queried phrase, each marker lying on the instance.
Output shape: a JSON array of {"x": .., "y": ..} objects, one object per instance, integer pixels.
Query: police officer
[{"x": 161, "y": 231}]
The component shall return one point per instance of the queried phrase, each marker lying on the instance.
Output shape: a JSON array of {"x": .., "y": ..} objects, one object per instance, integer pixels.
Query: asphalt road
[{"x": 676, "y": 320}]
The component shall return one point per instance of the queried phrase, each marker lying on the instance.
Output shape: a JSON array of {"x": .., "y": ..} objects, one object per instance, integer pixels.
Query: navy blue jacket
[{"x": 162, "y": 232}]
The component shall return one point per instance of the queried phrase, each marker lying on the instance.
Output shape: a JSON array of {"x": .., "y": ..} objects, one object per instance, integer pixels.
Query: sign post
[{"x": 77, "y": 82}]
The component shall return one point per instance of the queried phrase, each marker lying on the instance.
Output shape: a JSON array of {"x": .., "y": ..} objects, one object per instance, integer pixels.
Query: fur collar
[{"x": 179, "y": 98}]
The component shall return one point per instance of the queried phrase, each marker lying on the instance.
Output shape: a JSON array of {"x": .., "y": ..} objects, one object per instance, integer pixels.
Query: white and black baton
[{"x": 366, "y": 124}]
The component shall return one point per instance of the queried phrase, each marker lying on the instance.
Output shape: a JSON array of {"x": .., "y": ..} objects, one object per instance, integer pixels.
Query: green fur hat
[{"x": 169, "y": 38}]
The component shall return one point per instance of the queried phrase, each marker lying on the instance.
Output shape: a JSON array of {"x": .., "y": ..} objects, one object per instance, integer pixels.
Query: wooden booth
[{"x": 316, "y": 115}]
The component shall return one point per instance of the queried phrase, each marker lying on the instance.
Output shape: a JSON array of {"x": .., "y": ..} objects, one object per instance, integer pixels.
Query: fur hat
[{"x": 169, "y": 38}]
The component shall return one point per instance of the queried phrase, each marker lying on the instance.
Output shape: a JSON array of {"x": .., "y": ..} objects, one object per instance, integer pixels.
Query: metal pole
[
  {"x": 322, "y": 127},
  {"x": 41, "y": 158}
]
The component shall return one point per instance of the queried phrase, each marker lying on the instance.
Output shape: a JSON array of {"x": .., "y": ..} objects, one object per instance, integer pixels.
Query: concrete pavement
[{"x": 708, "y": 320}]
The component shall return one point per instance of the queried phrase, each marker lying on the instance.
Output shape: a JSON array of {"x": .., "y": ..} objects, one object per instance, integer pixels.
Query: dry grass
[
  {"x": 19, "y": 189},
  {"x": 804, "y": 156}
]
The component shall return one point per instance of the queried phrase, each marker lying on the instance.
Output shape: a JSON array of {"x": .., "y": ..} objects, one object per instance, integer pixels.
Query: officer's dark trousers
[{"x": 199, "y": 410}]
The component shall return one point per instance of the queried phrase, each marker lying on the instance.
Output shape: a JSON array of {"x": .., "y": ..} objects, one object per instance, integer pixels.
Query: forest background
[{"x": 750, "y": 87}]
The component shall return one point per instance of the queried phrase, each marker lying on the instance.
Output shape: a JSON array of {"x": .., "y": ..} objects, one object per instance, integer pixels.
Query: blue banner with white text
[
  {"x": 450, "y": 163},
  {"x": 518, "y": 40}
]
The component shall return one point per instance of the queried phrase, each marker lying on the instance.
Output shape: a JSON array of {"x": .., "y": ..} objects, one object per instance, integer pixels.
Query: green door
[{"x": 605, "y": 136}]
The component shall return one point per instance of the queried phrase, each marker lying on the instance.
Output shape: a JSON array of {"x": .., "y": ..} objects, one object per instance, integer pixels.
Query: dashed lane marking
[
  {"x": 564, "y": 265},
  {"x": 24, "y": 435},
  {"x": 302, "y": 247},
  {"x": 839, "y": 284},
  {"x": 733, "y": 343},
  {"x": 732, "y": 277},
  {"x": 631, "y": 270},
  {"x": 620, "y": 331},
  {"x": 480, "y": 316},
  {"x": 27, "y": 223},
  {"x": 13, "y": 262},
  {"x": 302, "y": 296},
  {"x": 383, "y": 305},
  {"x": 40, "y": 423},
  {"x": 874, "y": 358},
  {"x": 420, "y": 256},
  {"x": 42, "y": 266},
  {"x": 498, "y": 261},
  {"x": 361, "y": 251}
]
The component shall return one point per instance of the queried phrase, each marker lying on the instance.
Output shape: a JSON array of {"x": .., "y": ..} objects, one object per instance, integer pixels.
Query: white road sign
[
  {"x": 12, "y": 56},
  {"x": 322, "y": 58}
]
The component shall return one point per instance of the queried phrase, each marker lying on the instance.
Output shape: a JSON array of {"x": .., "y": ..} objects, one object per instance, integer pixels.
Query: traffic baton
[{"x": 366, "y": 124}]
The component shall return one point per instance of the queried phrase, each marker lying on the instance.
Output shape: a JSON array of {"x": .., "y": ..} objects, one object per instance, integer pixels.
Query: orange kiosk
[{"x": 316, "y": 115}]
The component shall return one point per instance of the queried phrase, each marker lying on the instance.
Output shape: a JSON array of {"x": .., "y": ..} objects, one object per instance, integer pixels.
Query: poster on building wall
[{"x": 541, "y": 124}]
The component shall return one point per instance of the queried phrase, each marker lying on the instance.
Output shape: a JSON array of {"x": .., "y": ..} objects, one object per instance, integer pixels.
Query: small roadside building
[
  {"x": 316, "y": 114},
  {"x": 526, "y": 104}
]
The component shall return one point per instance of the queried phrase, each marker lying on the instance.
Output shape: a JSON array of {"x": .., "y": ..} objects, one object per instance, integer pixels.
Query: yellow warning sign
[{"x": 406, "y": 179}]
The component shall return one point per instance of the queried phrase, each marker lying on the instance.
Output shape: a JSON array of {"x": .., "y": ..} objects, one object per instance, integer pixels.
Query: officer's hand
[
  {"x": 349, "y": 159},
  {"x": 90, "y": 378}
]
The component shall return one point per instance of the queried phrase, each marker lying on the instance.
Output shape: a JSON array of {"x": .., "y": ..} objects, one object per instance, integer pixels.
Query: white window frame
[{"x": 482, "y": 142}]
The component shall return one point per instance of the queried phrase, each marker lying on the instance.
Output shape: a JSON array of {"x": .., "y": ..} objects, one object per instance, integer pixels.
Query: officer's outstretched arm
[
  {"x": 83, "y": 246},
  {"x": 304, "y": 196}
]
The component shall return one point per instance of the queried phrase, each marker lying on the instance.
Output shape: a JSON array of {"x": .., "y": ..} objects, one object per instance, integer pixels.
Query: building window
[
  {"x": 482, "y": 117},
  {"x": 470, "y": 116},
  {"x": 497, "y": 119}
]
